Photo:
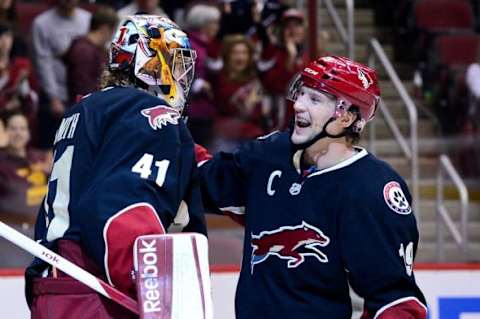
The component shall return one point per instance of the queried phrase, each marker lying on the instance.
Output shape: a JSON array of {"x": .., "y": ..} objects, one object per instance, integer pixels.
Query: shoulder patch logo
[
  {"x": 395, "y": 199},
  {"x": 161, "y": 115}
]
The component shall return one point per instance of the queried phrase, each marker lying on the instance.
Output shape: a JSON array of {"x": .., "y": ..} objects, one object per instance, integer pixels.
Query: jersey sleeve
[
  {"x": 190, "y": 215},
  {"x": 378, "y": 239},
  {"x": 224, "y": 180}
]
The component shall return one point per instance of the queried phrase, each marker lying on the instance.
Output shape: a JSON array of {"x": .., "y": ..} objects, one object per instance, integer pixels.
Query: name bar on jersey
[{"x": 67, "y": 128}]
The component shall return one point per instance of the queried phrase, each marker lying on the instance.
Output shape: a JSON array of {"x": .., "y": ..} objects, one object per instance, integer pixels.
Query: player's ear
[{"x": 347, "y": 118}]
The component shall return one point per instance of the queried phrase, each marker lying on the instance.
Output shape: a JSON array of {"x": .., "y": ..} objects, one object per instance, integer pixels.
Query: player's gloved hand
[{"x": 201, "y": 154}]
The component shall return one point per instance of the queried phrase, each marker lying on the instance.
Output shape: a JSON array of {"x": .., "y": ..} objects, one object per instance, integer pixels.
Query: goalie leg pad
[{"x": 172, "y": 276}]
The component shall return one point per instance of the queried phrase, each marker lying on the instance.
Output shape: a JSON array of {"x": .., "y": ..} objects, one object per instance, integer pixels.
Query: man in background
[
  {"x": 52, "y": 34},
  {"x": 142, "y": 7},
  {"x": 87, "y": 55}
]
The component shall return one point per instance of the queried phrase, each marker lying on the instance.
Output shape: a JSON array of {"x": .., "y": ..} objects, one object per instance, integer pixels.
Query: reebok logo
[{"x": 149, "y": 275}]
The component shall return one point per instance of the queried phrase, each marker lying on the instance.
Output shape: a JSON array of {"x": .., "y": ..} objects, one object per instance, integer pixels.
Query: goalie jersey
[
  {"x": 309, "y": 234},
  {"x": 123, "y": 166}
]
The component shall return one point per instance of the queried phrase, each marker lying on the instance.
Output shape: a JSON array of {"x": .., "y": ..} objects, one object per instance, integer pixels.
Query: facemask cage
[{"x": 183, "y": 67}]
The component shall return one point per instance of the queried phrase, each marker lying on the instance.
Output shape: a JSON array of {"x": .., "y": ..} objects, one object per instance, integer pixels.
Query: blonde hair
[{"x": 229, "y": 42}]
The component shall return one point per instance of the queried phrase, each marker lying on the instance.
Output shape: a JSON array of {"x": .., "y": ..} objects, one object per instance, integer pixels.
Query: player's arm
[
  {"x": 379, "y": 238},
  {"x": 223, "y": 181},
  {"x": 190, "y": 215},
  {"x": 43, "y": 60}
]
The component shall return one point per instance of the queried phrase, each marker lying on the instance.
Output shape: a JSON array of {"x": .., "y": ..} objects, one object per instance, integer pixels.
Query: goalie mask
[
  {"x": 348, "y": 82},
  {"x": 157, "y": 55}
]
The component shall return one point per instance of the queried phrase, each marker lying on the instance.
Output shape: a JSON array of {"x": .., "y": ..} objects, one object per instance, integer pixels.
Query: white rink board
[{"x": 451, "y": 294}]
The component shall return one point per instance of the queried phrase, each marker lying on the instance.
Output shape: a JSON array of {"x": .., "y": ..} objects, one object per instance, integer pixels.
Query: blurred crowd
[{"x": 53, "y": 52}]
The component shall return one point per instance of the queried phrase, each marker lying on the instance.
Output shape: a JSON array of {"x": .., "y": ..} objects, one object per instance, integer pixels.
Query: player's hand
[
  {"x": 57, "y": 107},
  {"x": 201, "y": 154},
  {"x": 207, "y": 89},
  {"x": 256, "y": 12},
  {"x": 291, "y": 46}
]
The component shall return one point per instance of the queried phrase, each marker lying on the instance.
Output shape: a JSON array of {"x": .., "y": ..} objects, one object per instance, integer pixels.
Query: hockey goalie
[{"x": 124, "y": 168}]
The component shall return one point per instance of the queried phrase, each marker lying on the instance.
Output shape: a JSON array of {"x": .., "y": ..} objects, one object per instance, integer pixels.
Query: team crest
[
  {"x": 366, "y": 81},
  {"x": 292, "y": 243},
  {"x": 395, "y": 199},
  {"x": 161, "y": 115}
]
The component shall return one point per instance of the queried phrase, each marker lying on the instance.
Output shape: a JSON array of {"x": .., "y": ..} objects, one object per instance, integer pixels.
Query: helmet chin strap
[{"x": 323, "y": 133}]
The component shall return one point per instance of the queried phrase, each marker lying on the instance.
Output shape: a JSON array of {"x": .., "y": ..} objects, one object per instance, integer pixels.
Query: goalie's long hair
[{"x": 115, "y": 78}]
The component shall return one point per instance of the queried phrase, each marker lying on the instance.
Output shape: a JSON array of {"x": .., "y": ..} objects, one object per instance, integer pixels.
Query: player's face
[{"x": 312, "y": 110}]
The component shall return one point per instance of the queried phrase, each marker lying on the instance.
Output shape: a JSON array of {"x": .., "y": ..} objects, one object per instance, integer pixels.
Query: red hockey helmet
[{"x": 350, "y": 82}]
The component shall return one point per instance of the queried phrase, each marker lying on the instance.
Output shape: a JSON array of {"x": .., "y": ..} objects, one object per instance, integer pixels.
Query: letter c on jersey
[{"x": 274, "y": 174}]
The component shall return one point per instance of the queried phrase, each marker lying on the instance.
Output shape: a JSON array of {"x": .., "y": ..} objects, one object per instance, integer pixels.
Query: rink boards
[{"x": 452, "y": 291}]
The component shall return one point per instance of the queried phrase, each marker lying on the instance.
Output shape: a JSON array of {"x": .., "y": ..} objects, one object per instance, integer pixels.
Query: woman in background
[
  {"x": 238, "y": 94},
  {"x": 23, "y": 170},
  {"x": 202, "y": 23}
]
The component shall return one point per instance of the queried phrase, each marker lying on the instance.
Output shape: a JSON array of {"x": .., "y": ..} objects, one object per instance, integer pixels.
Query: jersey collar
[{"x": 361, "y": 152}]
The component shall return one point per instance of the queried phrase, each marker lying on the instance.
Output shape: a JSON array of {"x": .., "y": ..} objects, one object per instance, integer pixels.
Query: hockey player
[
  {"x": 123, "y": 165},
  {"x": 319, "y": 212}
]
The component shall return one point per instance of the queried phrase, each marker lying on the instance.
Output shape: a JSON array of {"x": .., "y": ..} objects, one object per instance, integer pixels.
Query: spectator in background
[
  {"x": 176, "y": 9},
  {"x": 23, "y": 172},
  {"x": 281, "y": 59},
  {"x": 472, "y": 80},
  {"x": 16, "y": 79},
  {"x": 237, "y": 17},
  {"x": 238, "y": 95},
  {"x": 87, "y": 56},
  {"x": 23, "y": 183},
  {"x": 8, "y": 15},
  {"x": 115, "y": 4},
  {"x": 142, "y": 7},
  {"x": 202, "y": 22},
  {"x": 7, "y": 11},
  {"x": 273, "y": 10},
  {"x": 470, "y": 158},
  {"x": 3, "y": 135},
  {"x": 52, "y": 34}
]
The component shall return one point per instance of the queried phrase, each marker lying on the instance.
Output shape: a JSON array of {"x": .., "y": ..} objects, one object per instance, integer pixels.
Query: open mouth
[{"x": 302, "y": 123}]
